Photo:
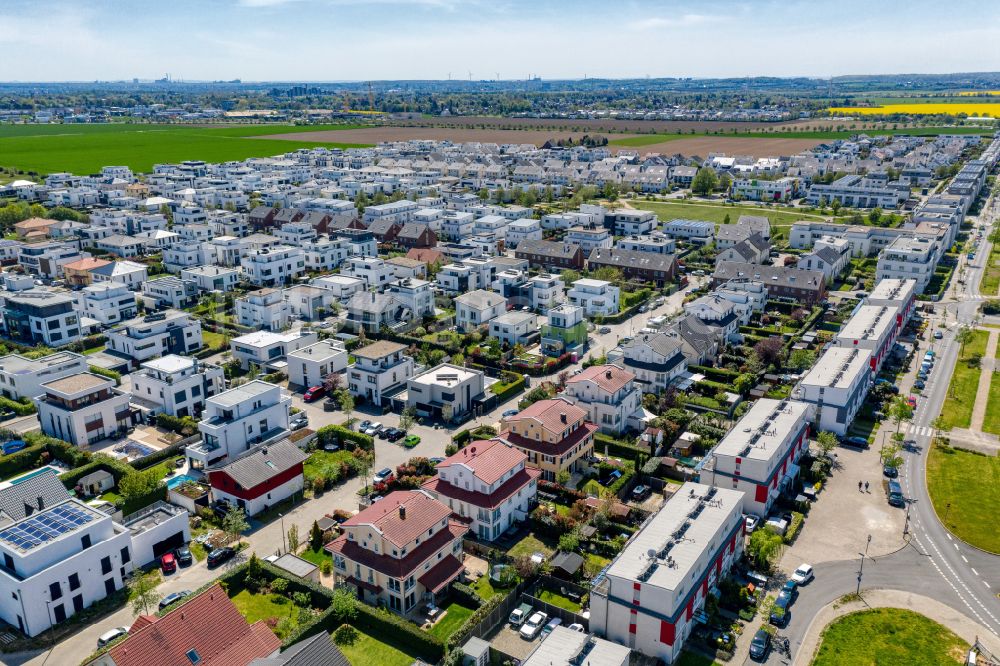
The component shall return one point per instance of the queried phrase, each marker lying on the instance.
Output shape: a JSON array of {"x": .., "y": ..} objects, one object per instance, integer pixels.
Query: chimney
[
  {"x": 608, "y": 374},
  {"x": 402, "y": 512},
  {"x": 41, "y": 503},
  {"x": 562, "y": 417}
]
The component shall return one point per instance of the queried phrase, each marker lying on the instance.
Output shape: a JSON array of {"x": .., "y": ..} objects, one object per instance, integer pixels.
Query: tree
[
  {"x": 964, "y": 336},
  {"x": 142, "y": 592},
  {"x": 769, "y": 349},
  {"x": 827, "y": 441},
  {"x": 407, "y": 418},
  {"x": 899, "y": 410},
  {"x": 569, "y": 542},
  {"x": 315, "y": 536},
  {"x": 332, "y": 382},
  {"x": 875, "y": 216},
  {"x": 764, "y": 548},
  {"x": 562, "y": 478},
  {"x": 137, "y": 484},
  {"x": 344, "y": 604},
  {"x": 569, "y": 276},
  {"x": 744, "y": 382},
  {"x": 802, "y": 359},
  {"x": 235, "y": 523},
  {"x": 293, "y": 538},
  {"x": 835, "y": 206},
  {"x": 705, "y": 181},
  {"x": 347, "y": 406}
]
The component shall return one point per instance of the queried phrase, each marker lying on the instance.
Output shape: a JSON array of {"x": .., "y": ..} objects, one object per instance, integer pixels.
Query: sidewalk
[
  {"x": 965, "y": 628},
  {"x": 987, "y": 366}
]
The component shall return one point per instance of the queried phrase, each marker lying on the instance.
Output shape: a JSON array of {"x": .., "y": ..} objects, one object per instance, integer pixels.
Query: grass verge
[
  {"x": 961, "y": 398},
  {"x": 970, "y": 483},
  {"x": 888, "y": 636}
]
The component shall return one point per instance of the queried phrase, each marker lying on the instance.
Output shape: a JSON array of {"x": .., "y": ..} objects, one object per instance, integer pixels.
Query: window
[
  {"x": 105, "y": 565},
  {"x": 126, "y": 558},
  {"x": 55, "y": 591},
  {"x": 193, "y": 656},
  {"x": 74, "y": 581},
  {"x": 85, "y": 542}
]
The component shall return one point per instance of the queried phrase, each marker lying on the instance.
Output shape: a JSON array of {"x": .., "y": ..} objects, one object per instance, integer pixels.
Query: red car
[
  {"x": 168, "y": 563},
  {"x": 314, "y": 393},
  {"x": 912, "y": 401}
]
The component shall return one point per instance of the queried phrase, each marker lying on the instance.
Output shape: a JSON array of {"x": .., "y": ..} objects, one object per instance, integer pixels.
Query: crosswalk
[{"x": 921, "y": 431}]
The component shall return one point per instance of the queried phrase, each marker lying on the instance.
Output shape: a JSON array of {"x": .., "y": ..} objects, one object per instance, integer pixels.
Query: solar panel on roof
[{"x": 38, "y": 529}]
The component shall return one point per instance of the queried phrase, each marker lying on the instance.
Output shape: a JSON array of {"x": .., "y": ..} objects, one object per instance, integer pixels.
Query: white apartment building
[
  {"x": 515, "y": 327},
  {"x": 596, "y": 297},
  {"x": 374, "y": 271},
  {"x": 47, "y": 259},
  {"x": 522, "y": 230},
  {"x": 395, "y": 211},
  {"x": 657, "y": 244},
  {"x": 264, "y": 309},
  {"x": 169, "y": 292},
  {"x": 446, "y": 391},
  {"x": 22, "y": 377},
  {"x": 267, "y": 349},
  {"x": 82, "y": 409},
  {"x": 871, "y": 327},
  {"x": 107, "y": 302},
  {"x": 273, "y": 266},
  {"x": 547, "y": 291},
  {"x": 341, "y": 287},
  {"x": 325, "y": 253},
  {"x": 780, "y": 190},
  {"x": 478, "y": 308},
  {"x": 170, "y": 332},
  {"x": 653, "y": 588},
  {"x": 857, "y": 192},
  {"x": 488, "y": 485},
  {"x": 296, "y": 233},
  {"x": 180, "y": 256},
  {"x": 40, "y": 316},
  {"x": 693, "y": 231},
  {"x": 456, "y": 225},
  {"x": 237, "y": 419},
  {"x": 311, "y": 365},
  {"x": 589, "y": 239},
  {"x": 758, "y": 456},
  {"x": 177, "y": 385},
  {"x": 130, "y": 273},
  {"x": 414, "y": 294},
  {"x": 379, "y": 369},
  {"x": 492, "y": 226},
  {"x": 212, "y": 278},
  {"x": 908, "y": 258},
  {"x": 610, "y": 396},
  {"x": 837, "y": 386},
  {"x": 308, "y": 302},
  {"x": 900, "y": 294}
]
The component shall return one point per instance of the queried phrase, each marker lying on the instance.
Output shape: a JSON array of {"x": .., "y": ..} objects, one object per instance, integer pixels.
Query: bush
[
  {"x": 616, "y": 447},
  {"x": 338, "y": 434},
  {"x": 184, "y": 425},
  {"x": 465, "y": 595},
  {"x": 16, "y": 406},
  {"x": 794, "y": 527},
  {"x": 345, "y": 634},
  {"x": 110, "y": 374}
]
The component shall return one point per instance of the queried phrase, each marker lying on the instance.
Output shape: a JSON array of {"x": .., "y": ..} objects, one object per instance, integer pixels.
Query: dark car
[
  {"x": 856, "y": 442},
  {"x": 173, "y": 597},
  {"x": 760, "y": 645},
  {"x": 221, "y": 508},
  {"x": 183, "y": 555},
  {"x": 779, "y": 611},
  {"x": 890, "y": 472},
  {"x": 220, "y": 555},
  {"x": 385, "y": 432},
  {"x": 919, "y": 384},
  {"x": 396, "y": 435}
]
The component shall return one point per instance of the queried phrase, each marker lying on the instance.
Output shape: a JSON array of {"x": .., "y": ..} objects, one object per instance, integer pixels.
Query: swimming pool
[
  {"x": 179, "y": 480},
  {"x": 31, "y": 475}
]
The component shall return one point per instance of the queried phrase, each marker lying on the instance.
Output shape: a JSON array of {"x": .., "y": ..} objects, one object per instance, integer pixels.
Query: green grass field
[
  {"x": 971, "y": 484},
  {"x": 84, "y": 149},
  {"x": 455, "y": 616},
  {"x": 991, "y": 420},
  {"x": 781, "y": 219},
  {"x": 991, "y": 274},
  {"x": 263, "y": 606},
  {"x": 367, "y": 650},
  {"x": 961, "y": 398},
  {"x": 888, "y": 636},
  {"x": 528, "y": 545},
  {"x": 556, "y": 599}
]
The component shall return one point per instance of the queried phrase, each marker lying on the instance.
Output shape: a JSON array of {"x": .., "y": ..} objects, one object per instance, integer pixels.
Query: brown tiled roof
[
  {"x": 442, "y": 573},
  {"x": 609, "y": 377},
  {"x": 86, "y": 264},
  {"x": 549, "y": 414},
  {"x": 34, "y": 223},
  {"x": 488, "y": 459},
  {"x": 487, "y": 501},
  {"x": 618, "y": 510},
  {"x": 583, "y": 432},
  {"x": 428, "y": 255},
  {"x": 422, "y": 513},
  {"x": 397, "y": 567},
  {"x": 208, "y": 623}
]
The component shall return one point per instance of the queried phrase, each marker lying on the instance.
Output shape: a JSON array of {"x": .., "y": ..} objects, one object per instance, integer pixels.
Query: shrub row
[
  {"x": 17, "y": 406},
  {"x": 339, "y": 434},
  {"x": 103, "y": 372},
  {"x": 465, "y": 595},
  {"x": 379, "y": 622},
  {"x": 182, "y": 425},
  {"x": 508, "y": 391},
  {"x": 117, "y": 468},
  {"x": 616, "y": 447},
  {"x": 717, "y": 374},
  {"x": 478, "y": 616},
  {"x": 794, "y": 527},
  {"x": 132, "y": 504}
]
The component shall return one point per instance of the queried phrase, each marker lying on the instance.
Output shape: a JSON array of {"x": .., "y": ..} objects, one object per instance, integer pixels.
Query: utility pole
[{"x": 862, "y": 569}]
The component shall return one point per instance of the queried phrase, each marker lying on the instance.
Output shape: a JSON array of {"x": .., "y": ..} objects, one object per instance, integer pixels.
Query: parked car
[
  {"x": 168, "y": 563},
  {"x": 895, "y": 492},
  {"x": 110, "y": 636},
  {"x": 519, "y": 615},
  {"x": 640, "y": 493},
  {"x": 220, "y": 555},
  {"x": 372, "y": 428},
  {"x": 938, "y": 335},
  {"x": 912, "y": 401},
  {"x": 364, "y": 425},
  {"x": 314, "y": 393},
  {"x": 919, "y": 384},
  {"x": 533, "y": 625},
  {"x": 437, "y": 460},
  {"x": 509, "y": 413},
  {"x": 396, "y": 434},
  {"x": 299, "y": 421},
  {"x": 183, "y": 555},
  {"x": 790, "y": 588},
  {"x": 760, "y": 645},
  {"x": 550, "y": 625},
  {"x": 173, "y": 597},
  {"x": 803, "y": 574},
  {"x": 576, "y": 626},
  {"x": 383, "y": 475},
  {"x": 752, "y": 522},
  {"x": 411, "y": 441},
  {"x": 890, "y": 472},
  {"x": 856, "y": 442},
  {"x": 604, "y": 330},
  {"x": 385, "y": 432},
  {"x": 779, "y": 610}
]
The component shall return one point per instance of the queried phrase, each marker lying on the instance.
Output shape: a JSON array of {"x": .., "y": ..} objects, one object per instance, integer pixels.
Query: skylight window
[{"x": 193, "y": 656}]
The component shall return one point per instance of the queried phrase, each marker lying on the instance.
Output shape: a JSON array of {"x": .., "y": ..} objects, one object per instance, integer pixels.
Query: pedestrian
[
  {"x": 866, "y": 486},
  {"x": 859, "y": 486}
]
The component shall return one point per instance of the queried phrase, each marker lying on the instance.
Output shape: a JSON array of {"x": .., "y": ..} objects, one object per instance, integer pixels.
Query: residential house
[
  {"x": 169, "y": 292},
  {"x": 566, "y": 330},
  {"x": 129, "y": 273},
  {"x": 267, "y": 349},
  {"x": 379, "y": 370},
  {"x": 264, "y": 309},
  {"x": 596, "y": 297},
  {"x": 371, "y": 311},
  {"x": 753, "y": 250},
  {"x": 273, "y": 266},
  {"x": 125, "y": 247},
  {"x": 170, "y": 332},
  {"x": 413, "y": 235},
  {"x": 238, "y": 419},
  {"x": 477, "y": 308},
  {"x": 550, "y": 255},
  {"x": 176, "y": 385},
  {"x": 554, "y": 435},
  {"x": 909, "y": 258},
  {"x": 649, "y": 267},
  {"x": 311, "y": 365},
  {"x": 801, "y": 286},
  {"x": 611, "y": 397},
  {"x": 837, "y": 386},
  {"x": 39, "y": 316},
  {"x": 212, "y": 278},
  {"x": 656, "y": 360},
  {"x": 22, "y": 377},
  {"x": 447, "y": 392},
  {"x": 83, "y": 409},
  {"x": 515, "y": 328},
  {"x": 77, "y": 273},
  {"x": 107, "y": 303},
  {"x": 415, "y": 294},
  {"x": 259, "y": 478}
]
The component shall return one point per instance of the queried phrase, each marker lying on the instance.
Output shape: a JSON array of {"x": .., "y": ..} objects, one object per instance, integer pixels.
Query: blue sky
[{"x": 326, "y": 40}]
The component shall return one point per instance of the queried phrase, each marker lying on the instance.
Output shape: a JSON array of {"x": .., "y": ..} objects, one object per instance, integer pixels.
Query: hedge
[
  {"x": 507, "y": 391},
  {"x": 716, "y": 374},
  {"x": 335, "y": 434},
  {"x": 465, "y": 595},
  {"x": 379, "y": 622},
  {"x": 177, "y": 424},
  {"x": 462, "y": 437},
  {"x": 16, "y": 406},
  {"x": 103, "y": 372},
  {"x": 616, "y": 447},
  {"x": 27, "y": 458},
  {"x": 794, "y": 527},
  {"x": 158, "y": 457},
  {"x": 132, "y": 504},
  {"x": 117, "y": 468}
]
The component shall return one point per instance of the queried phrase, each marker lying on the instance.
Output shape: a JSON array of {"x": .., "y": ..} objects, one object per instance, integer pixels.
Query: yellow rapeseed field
[
  {"x": 979, "y": 93},
  {"x": 977, "y": 109}
]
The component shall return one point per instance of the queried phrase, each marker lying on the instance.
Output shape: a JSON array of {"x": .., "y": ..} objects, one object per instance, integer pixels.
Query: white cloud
[
  {"x": 682, "y": 21},
  {"x": 264, "y": 3}
]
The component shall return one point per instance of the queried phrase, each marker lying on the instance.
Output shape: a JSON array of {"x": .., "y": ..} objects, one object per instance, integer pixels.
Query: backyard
[
  {"x": 367, "y": 650},
  {"x": 528, "y": 545},
  {"x": 970, "y": 483},
  {"x": 455, "y": 615},
  {"x": 961, "y": 398},
  {"x": 780, "y": 219},
  {"x": 895, "y": 635},
  {"x": 557, "y": 599},
  {"x": 255, "y": 607}
]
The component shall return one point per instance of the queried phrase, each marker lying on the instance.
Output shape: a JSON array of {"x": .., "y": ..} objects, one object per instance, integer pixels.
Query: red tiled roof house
[
  {"x": 554, "y": 434},
  {"x": 402, "y": 551},
  {"x": 487, "y": 485}
]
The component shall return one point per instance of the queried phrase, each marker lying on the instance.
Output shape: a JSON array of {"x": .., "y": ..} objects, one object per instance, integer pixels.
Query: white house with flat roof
[
  {"x": 871, "y": 327},
  {"x": 909, "y": 258},
  {"x": 837, "y": 386},
  {"x": 897, "y": 293},
  {"x": 267, "y": 349},
  {"x": 238, "y": 419},
  {"x": 513, "y": 328},
  {"x": 565, "y": 647},
  {"x": 596, "y": 297},
  {"x": 758, "y": 456},
  {"x": 310, "y": 365},
  {"x": 264, "y": 309},
  {"x": 212, "y": 278},
  {"x": 273, "y": 266},
  {"x": 22, "y": 377},
  {"x": 650, "y": 593},
  {"x": 107, "y": 302},
  {"x": 446, "y": 391},
  {"x": 177, "y": 385},
  {"x": 341, "y": 287},
  {"x": 83, "y": 409},
  {"x": 171, "y": 332},
  {"x": 379, "y": 369}
]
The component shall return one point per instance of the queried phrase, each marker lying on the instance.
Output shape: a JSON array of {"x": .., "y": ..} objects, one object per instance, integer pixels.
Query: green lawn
[
  {"x": 213, "y": 340},
  {"x": 695, "y": 659},
  {"x": 455, "y": 616},
  {"x": 957, "y": 409},
  {"x": 991, "y": 421},
  {"x": 991, "y": 275},
  {"x": 781, "y": 219},
  {"x": 317, "y": 557},
  {"x": 84, "y": 149},
  {"x": 556, "y": 599},
  {"x": 367, "y": 650},
  {"x": 320, "y": 463},
  {"x": 971, "y": 484},
  {"x": 484, "y": 587},
  {"x": 263, "y": 606},
  {"x": 592, "y": 564},
  {"x": 110, "y": 496},
  {"x": 888, "y": 636},
  {"x": 166, "y": 467},
  {"x": 528, "y": 545}
]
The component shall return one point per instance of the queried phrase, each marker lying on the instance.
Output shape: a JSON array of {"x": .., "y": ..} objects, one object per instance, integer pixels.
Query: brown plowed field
[
  {"x": 608, "y": 125},
  {"x": 730, "y": 145}
]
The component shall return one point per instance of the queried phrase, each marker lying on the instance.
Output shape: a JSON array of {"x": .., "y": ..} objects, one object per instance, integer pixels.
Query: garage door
[{"x": 175, "y": 540}]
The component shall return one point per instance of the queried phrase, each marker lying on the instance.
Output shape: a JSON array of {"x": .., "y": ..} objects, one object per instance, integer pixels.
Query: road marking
[
  {"x": 974, "y": 572},
  {"x": 965, "y": 560}
]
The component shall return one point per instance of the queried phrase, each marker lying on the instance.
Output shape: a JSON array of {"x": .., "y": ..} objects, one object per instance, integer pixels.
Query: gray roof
[
  {"x": 480, "y": 299},
  {"x": 295, "y": 565},
  {"x": 758, "y": 223},
  {"x": 547, "y": 248},
  {"x": 828, "y": 254},
  {"x": 695, "y": 333},
  {"x": 734, "y": 232},
  {"x": 568, "y": 562},
  {"x": 316, "y": 651},
  {"x": 33, "y": 494},
  {"x": 770, "y": 275},
  {"x": 650, "y": 261},
  {"x": 262, "y": 462}
]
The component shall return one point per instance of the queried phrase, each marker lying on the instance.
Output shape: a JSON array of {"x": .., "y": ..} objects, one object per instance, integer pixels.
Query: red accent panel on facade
[
  {"x": 636, "y": 586},
  {"x": 690, "y": 608},
  {"x": 761, "y": 495},
  {"x": 666, "y": 633},
  {"x": 631, "y": 628}
]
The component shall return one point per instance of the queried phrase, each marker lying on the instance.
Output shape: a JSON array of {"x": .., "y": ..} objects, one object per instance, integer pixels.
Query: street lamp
[
  {"x": 283, "y": 544},
  {"x": 862, "y": 569}
]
